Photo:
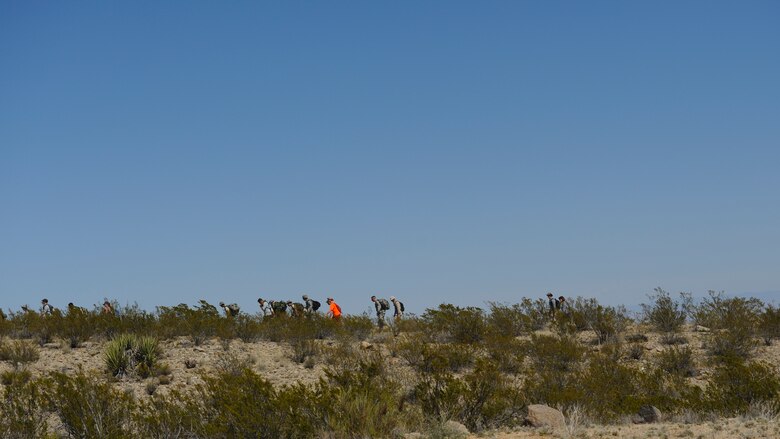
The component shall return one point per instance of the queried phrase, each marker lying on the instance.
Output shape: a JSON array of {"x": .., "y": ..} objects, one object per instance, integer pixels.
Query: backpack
[
  {"x": 233, "y": 309},
  {"x": 384, "y": 305},
  {"x": 557, "y": 304},
  {"x": 402, "y": 306},
  {"x": 315, "y": 305},
  {"x": 279, "y": 307}
]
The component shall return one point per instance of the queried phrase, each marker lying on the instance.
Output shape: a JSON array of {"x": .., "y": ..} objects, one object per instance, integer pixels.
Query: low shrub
[
  {"x": 129, "y": 353},
  {"x": 665, "y": 314},
  {"x": 677, "y": 361},
  {"x": 737, "y": 384},
  {"x": 453, "y": 324},
  {"x": 19, "y": 353},
  {"x": 23, "y": 410}
]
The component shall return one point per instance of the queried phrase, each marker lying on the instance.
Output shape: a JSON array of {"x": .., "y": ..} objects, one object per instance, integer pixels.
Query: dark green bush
[
  {"x": 433, "y": 358},
  {"x": 734, "y": 322},
  {"x": 737, "y": 384},
  {"x": 553, "y": 353},
  {"x": 450, "y": 323},
  {"x": 89, "y": 407},
  {"x": 677, "y": 361},
  {"x": 22, "y": 409},
  {"x": 769, "y": 324},
  {"x": 665, "y": 314},
  {"x": 507, "y": 321}
]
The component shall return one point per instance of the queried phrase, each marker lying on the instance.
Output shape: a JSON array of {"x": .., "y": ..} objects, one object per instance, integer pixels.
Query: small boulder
[
  {"x": 453, "y": 429},
  {"x": 366, "y": 345},
  {"x": 540, "y": 415},
  {"x": 647, "y": 414},
  {"x": 700, "y": 328}
]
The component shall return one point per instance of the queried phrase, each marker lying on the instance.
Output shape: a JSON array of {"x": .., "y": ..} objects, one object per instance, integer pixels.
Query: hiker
[
  {"x": 265, "y": 308},
  {"x": 107, "y": 309},
  {"x": 279, "y": 308},
  {"x": 381, "y": 306},
  {"x": 398, "y": 308},
  {"x": 310, "y": 305},
  {"x": 562, "y": 306},
  {"x": 334, "y": 309},
  {"x": 231, "y": 310},
  {"x": 296, "y": 309},
  {"x": 46, "y": 309},
  {"x": 553, "y": 303}
]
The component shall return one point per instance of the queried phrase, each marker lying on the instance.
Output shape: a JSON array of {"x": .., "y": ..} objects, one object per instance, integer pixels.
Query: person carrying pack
[
  {"x": 279, "y": 307},
  {"x": 265, "y": 308},
  {"x": 381, "y": 307},
  {"x": 231, "y": 310},
  {"x": 334, "y": 310},
  {"x": 553, "y": 303},
  {"x": 46, "y": 309},
  {"x": 296, "y": 309},
  {"x": 310, "y": 305},
  {"x": 398, "y": 308}
]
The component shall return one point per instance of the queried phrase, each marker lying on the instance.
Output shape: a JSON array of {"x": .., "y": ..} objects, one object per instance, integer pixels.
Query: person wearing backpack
[
  {"x": 334, "y": 310},
  {"x": 231, "y": 310},
  {"x": 398, "y": 308},
  {"x": 279, "y": 308},
  {"x": 310, "y": 306},
  {"x": 265, "y": 308},
  {"x": 381, "y": 306}
]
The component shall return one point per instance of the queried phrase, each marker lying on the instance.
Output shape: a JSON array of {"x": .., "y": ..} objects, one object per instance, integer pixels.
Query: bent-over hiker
[
  {"x": 296, "y": 308},
  {"x": 334, "y": 310},
  {"x": 552, "y": 302},
  {"x": 310, "y": 305},
  {"x": 265, "y": 308},
  {"x": 231, "y": 310}
]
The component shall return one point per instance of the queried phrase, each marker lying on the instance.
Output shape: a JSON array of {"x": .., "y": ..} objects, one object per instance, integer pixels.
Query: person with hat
[
  {"x": 398, "y": 308},
  {"x": 553, "y": 304},
  {"x": 381, "y": 306},
  {"x": 334, "y": 310}
]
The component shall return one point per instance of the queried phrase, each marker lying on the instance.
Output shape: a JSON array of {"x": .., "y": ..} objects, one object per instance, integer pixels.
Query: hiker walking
[
  {"x": 296, "y": 308},
  {"x": 279, "y": 308},
  {"x": 107, "y": 309},
  {"x": 265, "y": 308},
  {"x": 381, "y": 306},
  {"x": 310, "y": 306},
  {"x": 46, "y": 309},
  {"x": 398, "y": 308},
  {"x": 334, "y": 310},
  {"x": 231, "y": 310},
  {"x": 563, "y": 305},
  {"x": 553, "y": 304}
]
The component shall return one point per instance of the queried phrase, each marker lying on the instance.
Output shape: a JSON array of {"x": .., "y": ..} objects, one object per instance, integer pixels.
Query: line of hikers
[{"x": 46, "y": 309}]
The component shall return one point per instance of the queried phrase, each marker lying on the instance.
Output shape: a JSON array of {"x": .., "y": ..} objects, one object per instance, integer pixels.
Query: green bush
[
  {"x": 606, "y": 321},
  {"x": 665, "y": 314},
  {"x": 433, "y": 358},
  {"x": 450, "y": 323},
  {"x": 23, "y": 409},
  {"x": 507, "y": 353},
  {"x": 677, "y": 361},
  {"x": 736, "y": 385},
  {"x": 19, "y": 352},
  {"x": 89, "y": 407},
  {"x": 769, "y": 324},
  {"x": 508, "y": 321},
  {"x": 734, "y": 322},
  {"x": 553, "y": 353}
]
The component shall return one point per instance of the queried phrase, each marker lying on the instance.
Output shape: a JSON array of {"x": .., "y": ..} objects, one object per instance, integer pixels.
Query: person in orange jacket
[{"x": 334, "y": 311}]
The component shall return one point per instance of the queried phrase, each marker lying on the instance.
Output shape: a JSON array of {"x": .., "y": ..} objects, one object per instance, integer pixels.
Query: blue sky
[{"x": 163, "y": 152}]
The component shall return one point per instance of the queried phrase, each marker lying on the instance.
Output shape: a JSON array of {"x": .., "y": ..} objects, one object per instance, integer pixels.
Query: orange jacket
[{"x": 335, "y": 309}]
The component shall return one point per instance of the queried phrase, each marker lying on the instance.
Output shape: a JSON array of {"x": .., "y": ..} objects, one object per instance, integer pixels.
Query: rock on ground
[{"x": 544, "y": 416}]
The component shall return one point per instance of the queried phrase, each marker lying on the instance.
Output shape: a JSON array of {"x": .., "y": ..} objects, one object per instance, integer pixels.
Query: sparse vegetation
[{"x": 453, "y": 363}]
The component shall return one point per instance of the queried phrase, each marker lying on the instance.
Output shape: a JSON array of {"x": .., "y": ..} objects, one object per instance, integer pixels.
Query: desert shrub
[
  {"x": 536, "y": 313},
  {"x": 246, "y": 328},
  {"x": 15, "y": 376},
  {"x": 737, "y": 384},
  {"x": 508, "y": 353},
  {"x": 199, "y": 323},
  {"x": 481, "y": 399},
  {"x": 671, "y": 393},
  {"x": 734, "y": 322},
  {"x": 247, "y": 405},
  {"x": 23, "y": 409},
  {"x": 769, "y": 324},
  {"x": 606, "y": 321},
  {"x": 507, "y": 320},
  {"x": 76, "y": 326},
  {"x": 173, "y": 415},
  {"x": 19, "y": 352},
  {"x": 431, "y": 357},
  {"x": 89, "y": 407},
  {"x": 677, "y": 361},
  {"x": 608, "y": 389},
  {"x": 361, "y": 401},
  {"x": 232, "y": 363},
  {"x": 553, "y": 353},
  {"x": 665, "y": 314},
  {"x": 636, "y": 351},
  {"x": 358, "y": 327},
  {"x": 450, "y": 323}
]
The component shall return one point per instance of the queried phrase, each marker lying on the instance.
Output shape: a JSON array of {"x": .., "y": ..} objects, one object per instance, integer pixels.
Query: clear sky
[{"x": 163, "y": 152}]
